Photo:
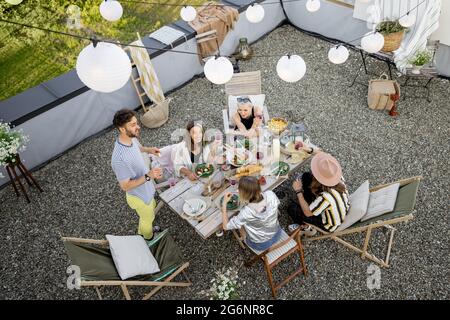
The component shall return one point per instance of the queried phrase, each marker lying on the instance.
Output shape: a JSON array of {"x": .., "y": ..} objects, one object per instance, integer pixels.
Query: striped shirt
[
  {"x": 333, "y": 206},
  {"x": 127, "y": 163}
]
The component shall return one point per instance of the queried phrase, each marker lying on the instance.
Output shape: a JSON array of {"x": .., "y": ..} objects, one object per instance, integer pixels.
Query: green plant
[
  {"x": 224, "y": 285},
  {"x": 420, "y": 58},
  {"x": 11, "y": 142},
  {"x": 388, "y": 27}
]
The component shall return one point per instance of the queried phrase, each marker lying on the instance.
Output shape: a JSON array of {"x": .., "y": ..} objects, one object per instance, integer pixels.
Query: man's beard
[{"x": 131, "y": 134}]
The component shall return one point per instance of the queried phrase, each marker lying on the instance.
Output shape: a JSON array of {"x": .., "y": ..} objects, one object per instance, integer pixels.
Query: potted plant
[
  {"x": 11, "y": 142},
  {"x": 393, "y": 33},
  {"x": 421, "y": 58}
]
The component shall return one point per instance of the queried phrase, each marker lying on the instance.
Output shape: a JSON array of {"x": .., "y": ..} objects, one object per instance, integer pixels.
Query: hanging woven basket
[{"x": 393, "y": 41}]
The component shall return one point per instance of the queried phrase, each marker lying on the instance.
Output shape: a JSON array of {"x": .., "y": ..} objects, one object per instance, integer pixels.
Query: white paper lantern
[
  {"x": 291, "y": 68},
  {"x": 407, "y": 21},
  {"x": 218, "y": 70},
  {"x": 338, "y": 54},
  {"x": 255, "y": 13},
  {"x": 14, "y": 2},
  {"x": 111, "y": 10},
  {"x": 312, "y": 5},
  {"x": 372, "y": 42},
  {"x": 105, "y": 68},
  {"x": 188, "y": 13}
]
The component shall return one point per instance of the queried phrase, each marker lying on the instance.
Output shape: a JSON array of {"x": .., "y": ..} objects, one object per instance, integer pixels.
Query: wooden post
[
  {"x": 125, "y": 292},
  {"x": 366, "y": 243}
]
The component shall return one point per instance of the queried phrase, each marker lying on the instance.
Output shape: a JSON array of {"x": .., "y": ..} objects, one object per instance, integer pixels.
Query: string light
[
  {"x": 312, "y": 5},
  {"x": 14, "y": 2},
  {"x": 255, "y": 13},
  {"x": 188, "y": 13},
  {"x": 111, "y": 10},
  {"x": 291, "y": 68},
  {"x": 338, "y": 54}
]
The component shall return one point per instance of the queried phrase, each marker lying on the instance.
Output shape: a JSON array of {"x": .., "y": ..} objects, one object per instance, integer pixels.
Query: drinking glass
[{"x": 172, "y": 182}]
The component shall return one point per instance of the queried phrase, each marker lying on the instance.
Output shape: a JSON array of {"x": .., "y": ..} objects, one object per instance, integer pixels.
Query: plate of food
[
  {"x": 194, "y": 207},
  {"x": 233, "y": 203},
  {"x": 204, "y": 170},
  {"x": 280, "y": 168}
]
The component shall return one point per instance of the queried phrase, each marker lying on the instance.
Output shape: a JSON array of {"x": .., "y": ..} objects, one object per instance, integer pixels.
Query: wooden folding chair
[
  {"x": 285, "y": 247},
  {"x": 97, "y": 266},
  {"x": 241, "y": 84},
  {"x": 403, "y": 211}
]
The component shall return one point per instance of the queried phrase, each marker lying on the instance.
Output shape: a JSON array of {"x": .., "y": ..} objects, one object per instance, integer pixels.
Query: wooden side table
[{"x": 14, "y": 177}]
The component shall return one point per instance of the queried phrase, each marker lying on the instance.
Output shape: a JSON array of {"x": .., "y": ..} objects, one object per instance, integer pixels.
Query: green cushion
[
  {"x": 404, "y": 205},
  {"x": 96, "y": 262}
]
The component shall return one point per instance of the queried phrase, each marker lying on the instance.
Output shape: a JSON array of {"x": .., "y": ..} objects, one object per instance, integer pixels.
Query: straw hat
[{"x": 326, "y": 169}]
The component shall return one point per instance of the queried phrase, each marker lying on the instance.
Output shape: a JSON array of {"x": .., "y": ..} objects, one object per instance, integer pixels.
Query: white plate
[{"x": 199, "y": 204}]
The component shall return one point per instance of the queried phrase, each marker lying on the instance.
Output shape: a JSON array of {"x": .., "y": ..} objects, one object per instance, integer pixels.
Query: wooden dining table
[{"x": 211, "y": 220}]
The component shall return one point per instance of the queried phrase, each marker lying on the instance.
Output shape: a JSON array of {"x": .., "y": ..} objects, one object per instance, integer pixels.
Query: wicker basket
[{"x": 393, "y": 41}]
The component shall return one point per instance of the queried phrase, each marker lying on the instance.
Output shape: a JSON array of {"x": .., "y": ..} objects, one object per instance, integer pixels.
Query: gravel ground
[{"x": 82, "y": 198}]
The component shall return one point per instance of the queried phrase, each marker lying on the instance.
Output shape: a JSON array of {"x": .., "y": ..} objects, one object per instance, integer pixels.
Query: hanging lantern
[
  {"x": 104, "y": 67},
  {"x": 14, "y": 2},
  {"x": 407, "y": 21},
  {"x": 218, "y": 70},
  {"x": 291, "y": 68},
  {"x": 111, "y": 10},
  {"x": 255, "y": 13},
  {"x": 188, "y": 13},
  {"x": 372, "y": 42},
  {"x": 245, "y": 52},
  {"x": 338, "y": 54},
  {"x": 312, "y": 5}
]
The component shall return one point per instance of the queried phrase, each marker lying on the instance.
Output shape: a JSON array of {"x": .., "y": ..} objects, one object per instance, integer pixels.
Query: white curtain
[{"x": 427, "y": 21}]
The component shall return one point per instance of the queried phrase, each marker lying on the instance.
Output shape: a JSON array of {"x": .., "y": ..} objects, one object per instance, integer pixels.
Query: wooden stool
[{"x": 11, "y": 169}]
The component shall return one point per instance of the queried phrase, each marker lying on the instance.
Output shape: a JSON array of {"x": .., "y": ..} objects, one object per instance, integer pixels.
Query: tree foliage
[{"x": 29, "y": 56}]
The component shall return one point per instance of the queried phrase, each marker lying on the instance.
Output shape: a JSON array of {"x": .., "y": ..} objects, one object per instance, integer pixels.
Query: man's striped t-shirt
[
  {"x": 333, "y": 206},
  {"x": 127, "y": 163}
]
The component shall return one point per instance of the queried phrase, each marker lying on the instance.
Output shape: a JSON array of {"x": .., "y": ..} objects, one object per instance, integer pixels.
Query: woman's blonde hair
[{"x": 249, "y": 190}]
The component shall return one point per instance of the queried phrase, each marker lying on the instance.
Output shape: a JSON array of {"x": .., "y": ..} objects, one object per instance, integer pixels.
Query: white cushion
[
  {"x": 359, "y": 201},
  {"x": 257, "y": 101},
  {"x": 132, "y": 256},
  {"x": 382, "y": 201}
]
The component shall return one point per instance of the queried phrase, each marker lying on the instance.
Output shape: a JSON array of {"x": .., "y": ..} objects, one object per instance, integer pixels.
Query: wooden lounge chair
[
  {"x": 403, "y": 211},
  {"x": 241, "y": 84},
  {"x": 286, "y": 246},
  {"x": 98, "y": 268}
]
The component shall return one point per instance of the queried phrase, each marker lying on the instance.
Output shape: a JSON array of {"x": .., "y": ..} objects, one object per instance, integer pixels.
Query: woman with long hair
[
  {"x": 258, "y": 219},
  {"x": 322, "y": 196},
  {"x": 192, "y": 150}
]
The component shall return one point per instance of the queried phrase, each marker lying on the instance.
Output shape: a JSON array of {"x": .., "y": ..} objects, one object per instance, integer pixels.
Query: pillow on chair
[
  {"x": 359, "y": 201},
  {"x": 257, "y": 100},
  {"x": 382, "y": 201},
  {"x": 131, "y": 256}
]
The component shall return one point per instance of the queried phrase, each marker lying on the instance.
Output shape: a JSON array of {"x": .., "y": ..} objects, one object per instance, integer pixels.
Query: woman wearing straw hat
[{"x": 322, "y": 196}]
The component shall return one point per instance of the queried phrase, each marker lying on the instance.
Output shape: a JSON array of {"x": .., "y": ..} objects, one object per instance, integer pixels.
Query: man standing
[{"x": 133, "y": 175}]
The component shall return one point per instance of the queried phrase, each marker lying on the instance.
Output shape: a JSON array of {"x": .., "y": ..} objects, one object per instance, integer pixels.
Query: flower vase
[{"x": 416, "y": 69}]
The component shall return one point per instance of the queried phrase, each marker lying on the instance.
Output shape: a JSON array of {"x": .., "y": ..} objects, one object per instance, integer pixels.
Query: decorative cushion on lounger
[
  {"x": 359, "y": 201},
  {"x": 257, "y": 100},
  {"x": 381, "y": 201},
  {"x": 131, "y": 256}
]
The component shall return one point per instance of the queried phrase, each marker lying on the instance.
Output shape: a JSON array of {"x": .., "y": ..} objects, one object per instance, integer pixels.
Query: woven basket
[{"x": 393, "y": 41}]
